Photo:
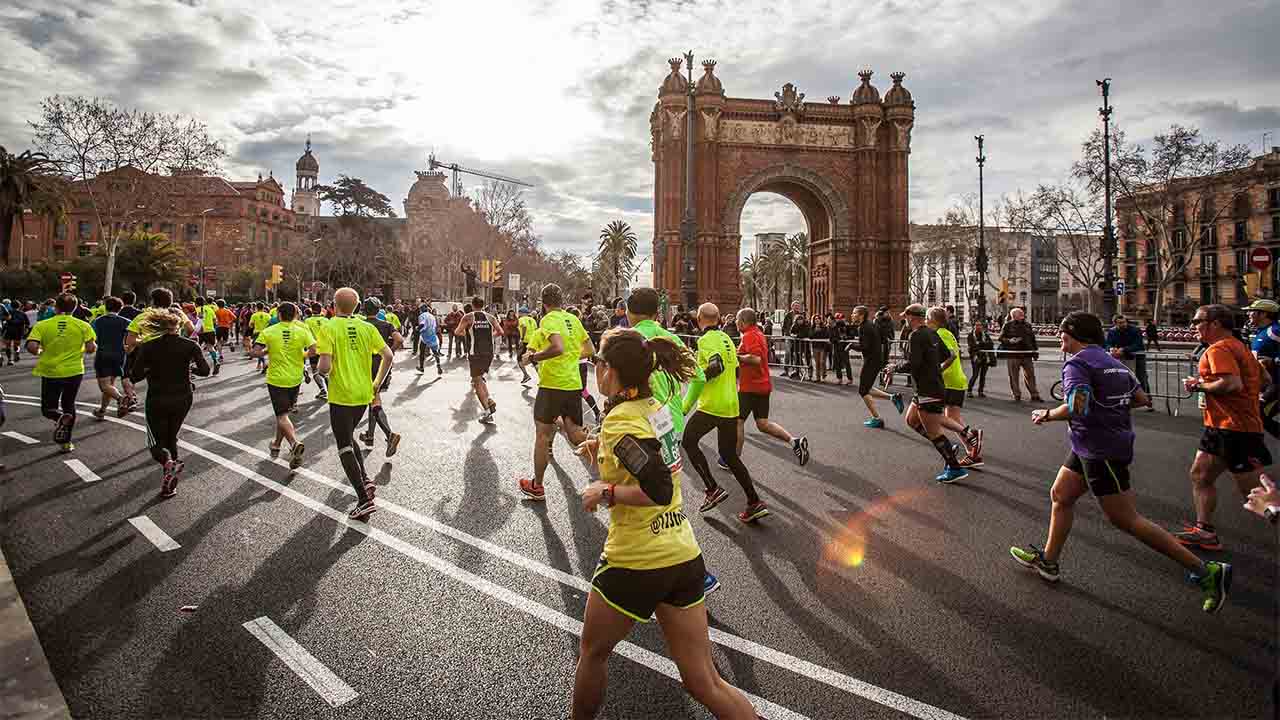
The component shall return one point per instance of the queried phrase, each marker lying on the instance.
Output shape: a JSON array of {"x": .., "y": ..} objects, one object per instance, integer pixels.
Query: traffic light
[
  {"x": 497, "y": 273},
  {"x": 68, "y": 282},
  {"x": 277, "y": 274},
  {"x": 486, "y": 270},
  {"x": 1004, "y": 295}
]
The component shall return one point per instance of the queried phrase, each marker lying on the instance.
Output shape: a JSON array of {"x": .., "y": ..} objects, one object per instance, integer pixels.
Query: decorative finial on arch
[
  {"x": 897, "y": 77},
  {"x": 865, "y": 73},
  {"x": 675, "y": 63},
  {"x": 308, "y": 142},
  {"x": 709, "y": 66},
  {"x": 833, "y": 99}
]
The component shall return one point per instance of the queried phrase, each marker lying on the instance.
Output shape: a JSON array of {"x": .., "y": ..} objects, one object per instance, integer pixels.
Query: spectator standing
[
  {"x": 840, "y": 349},
  {"x": 1017, "y": 336},
  {"x": 450, "y": 324},
  {"x": 820, "y": 343},
  {"x": 1124, "y": 343},
  {"x": 793, "y": 349},
  {"x": 886, "y": 328},
  {"x": 1153, "y": 335},
  {"x": 801, "y": 329},
  {"x": 979, "y": 360}
]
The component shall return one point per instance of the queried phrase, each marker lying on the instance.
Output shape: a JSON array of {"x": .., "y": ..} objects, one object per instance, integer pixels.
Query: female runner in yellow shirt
[{"x": 651, "y": 562}]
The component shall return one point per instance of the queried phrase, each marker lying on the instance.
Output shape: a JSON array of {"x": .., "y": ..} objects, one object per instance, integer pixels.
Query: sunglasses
[{"x": 1197, "y": 321}]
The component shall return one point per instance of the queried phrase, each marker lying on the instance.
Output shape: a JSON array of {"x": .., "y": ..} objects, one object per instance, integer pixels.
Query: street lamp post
[
  {"x": 1109, "y": 235},
  {"x": 981, "y": 260},
  {"x": 204, "y": 243},
  {"x": 688, "y": 255},
  {"x": 315, "y": 250}
]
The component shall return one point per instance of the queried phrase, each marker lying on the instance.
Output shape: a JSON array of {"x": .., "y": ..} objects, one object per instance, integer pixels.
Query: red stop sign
[{"x": 1260, "y": 258}]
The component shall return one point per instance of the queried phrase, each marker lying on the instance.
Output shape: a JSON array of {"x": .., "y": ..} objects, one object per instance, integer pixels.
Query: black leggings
[
  {"x": 978, "y": 374},
  {"x": 58, "y": 396},
  {"x": 343, "y": 420},
  {"x": 165, "y": 414},
  {"x": 727, "y": 438}
]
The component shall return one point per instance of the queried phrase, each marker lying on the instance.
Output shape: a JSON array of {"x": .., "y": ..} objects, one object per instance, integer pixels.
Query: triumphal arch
[{"x": 844, "y": 165}]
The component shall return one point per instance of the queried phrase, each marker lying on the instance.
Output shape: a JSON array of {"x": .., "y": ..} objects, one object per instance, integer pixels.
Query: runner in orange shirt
[{"x": 226, "y": 320}]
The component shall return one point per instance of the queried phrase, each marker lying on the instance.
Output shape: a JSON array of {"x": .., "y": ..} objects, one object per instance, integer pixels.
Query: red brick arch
[{"x": 843, "y": 165}]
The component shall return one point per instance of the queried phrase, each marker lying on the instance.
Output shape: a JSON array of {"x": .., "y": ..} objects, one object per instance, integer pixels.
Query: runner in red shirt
[{"x": 755, "y": 386}]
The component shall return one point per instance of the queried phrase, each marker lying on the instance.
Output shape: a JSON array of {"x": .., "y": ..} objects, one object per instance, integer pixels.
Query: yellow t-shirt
[
  {"x": 286, "y": 344},
  {"x": 537, "y": 341},
  {"x": 645, "y": 538},
  {"x": 394, "y": 320},
  {"x": 315, "y": 323},
  {"x": 526, "y": 324},
  {"x": 351, "y": 342},
  {"x": 259, "y": 321},
  {"x": 62, "y": 339},
  {"x": 561, "y": 372},
  {"x": 208, "y": 318},
  {"x": 953, "y": 377}
]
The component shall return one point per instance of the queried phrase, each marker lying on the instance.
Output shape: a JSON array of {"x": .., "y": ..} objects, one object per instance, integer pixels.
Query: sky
[{"x": 559, "y": 93}]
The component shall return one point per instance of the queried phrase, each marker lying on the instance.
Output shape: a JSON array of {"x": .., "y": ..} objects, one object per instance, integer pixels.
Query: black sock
[
  {"x": 944, "y": 448},
  {"x": 382, "y": 421}
]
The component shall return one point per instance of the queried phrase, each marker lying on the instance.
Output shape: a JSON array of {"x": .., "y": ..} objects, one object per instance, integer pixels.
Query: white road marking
[
  {"x": 82, "y": 470},
  {"x": 24, "y": 439},
  {"x": 302, "y": 663},
  {"x": 152, "y": 532},
  {"x": 804, "y": 668}
]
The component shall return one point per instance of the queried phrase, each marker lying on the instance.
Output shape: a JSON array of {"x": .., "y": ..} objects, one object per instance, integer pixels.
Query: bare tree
[
  {"x": 133, "y": 158},
  {"x": 1069, "y": 219},
  {"x": 1176, "y": 192}
]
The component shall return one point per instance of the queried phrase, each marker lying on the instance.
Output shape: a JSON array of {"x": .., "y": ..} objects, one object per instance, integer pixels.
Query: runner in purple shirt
[{"x": 1100, "y": 390}]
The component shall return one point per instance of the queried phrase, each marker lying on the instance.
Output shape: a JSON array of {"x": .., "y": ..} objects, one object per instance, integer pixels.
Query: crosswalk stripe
[
  {"x": 152, "y": 532},
  {"x": 83, "y": 471},
  {"x": 304, "y": 664},
  {"x": 24, "y": 439}
]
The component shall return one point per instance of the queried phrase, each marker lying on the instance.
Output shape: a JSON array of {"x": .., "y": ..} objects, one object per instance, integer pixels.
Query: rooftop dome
[
  {"x": 308, "y": 162},
  {"x": 897, "y": 94},
  {"x": 866, "y": 92},
  {"x": 675, "y": 83}
]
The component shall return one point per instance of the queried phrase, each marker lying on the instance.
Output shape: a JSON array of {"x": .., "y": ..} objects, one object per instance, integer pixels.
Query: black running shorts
[
  {"x": 1241, "y": 451},
  {"x": 953, "y": 398},
  {"x": 480, "y": 365},
  {"x": 637, "y": 593},
  {"x": 931, "y": 405},
  {"x": 868, "y": 376},
  {"x": 105, "y": 365},
  {"x": 552, "y": 403},
  {"x": 373, "y": 373},
  {"x": 223, "y": 334},
  {"x": 753, "y": 403},
  {"x": 283, "y": 399},
  {"x": 207, "y": 338},
  {"x": 1105, "y": 477}
]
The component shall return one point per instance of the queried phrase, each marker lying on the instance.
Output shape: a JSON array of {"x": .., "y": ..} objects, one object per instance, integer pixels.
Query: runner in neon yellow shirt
[
  {"x": 955, "y": 384},
  {"x": 316, "y": 322},
  {"x": 287, "y": 343},
  {"x": 59, "y": 344},
  {"x": 346, "y": 349},
  {"x": 526, "y": 326},
  {"x": 258, "y": 322}
]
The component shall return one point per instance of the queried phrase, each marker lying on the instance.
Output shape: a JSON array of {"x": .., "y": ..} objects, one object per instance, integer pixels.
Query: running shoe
[
  {"x": 367, "y": 439},
  {"x": 66, "y": 447},
  {"x": 709, "y": 584},
  {"x": 487, "y": 417},
  {"x": 125, "y": 406},
  {"x": 951, "y": 474},
  {"x": 722, "y": 464},
  {"x": 216, "y": 367},
  {"x": 62, "y": 431},
  {"x": 1196, "y": 536},
  {"x": 973, "y": 439},
  {"x": 322, "y": 395},
  {"x": 370, "y": 490},
  {"x": 306, "y": 376},
  {"x": 754, "y": 512},
  {"x": 800, "y": 446},
  {"x": 1033, "y": 557},
  {"x": 1215, "y": 583},
  {"x": 176, "y": 475},
  {"x": 99, "y": 414},
  {"x": 714, "y": 498},
  {"x": 531, "y": 491},
  {"x": 274, "y": 451},
  {"x": 295, "y": 457},
  {"x": 898, "y": 403},
  {"x": 166, "y": 481},
  {"x": 393, "y": 443},
  {"x": 363, "y": 510},
  {"x": 970, "y": 461},
  {"x": 875, "y": 423}
]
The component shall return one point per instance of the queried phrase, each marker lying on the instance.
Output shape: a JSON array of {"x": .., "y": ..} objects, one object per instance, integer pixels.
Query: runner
[
  {"x": 754, "y": 388},
  {"x": 16, "y": 327},
  {"x": 651, "y": 563},
  {"x": 258, "y": 322},
  {"x": 1100, "y": 392},
  {"x": 428, "y": 339},
  {"x": 559, "y": 385},
  {"x": 479, "y": 327},
  {"x": 1230, "y": 379},
  {"x": 346, "y": 349},
  {"x": 165, "y": 360},
  {"x": 526, "y": 325},
  {"x": 717, "y": 409},
  {"x": 59, "y": 344},
  {"x": 873, "y": 362},
  {"x": 108, "y": 362},
  {"x": 391, "y": 338},
  {"x": 207, "y": 322},
  {"x": 584, "y": 367},
  {"x": 955, "y": 384},
  {"x": 316, "y": 322},
  {"x": 287, "y": 342},
  {"x": 924, "y": 364},
  {"x": 226, "y": 320},
  {"x": 1266, "y": 347}
]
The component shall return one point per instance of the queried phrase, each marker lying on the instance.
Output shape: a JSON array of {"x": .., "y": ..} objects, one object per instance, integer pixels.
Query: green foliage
[
  {"x": 27, "y": 180},
  {"x": 617, "y": 253},
  {"x": 352, "y": 197}
]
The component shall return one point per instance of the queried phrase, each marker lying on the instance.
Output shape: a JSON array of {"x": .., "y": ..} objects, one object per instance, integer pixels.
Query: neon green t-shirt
[
  {"x": 286, "y": 344},
  {"x": 351, "y": 342},
  {"x": 394, "y": 320},
  {"x": 62, "y": 339},
  {"x": 259, "y": 321},
  {"x": 316, "y": 323},
  {"x": 537, "y": 341},
  {"x": 720, "y": 394},
  {"x": 663, "y": 386},
  {"x": 526, "y": 324},
  {"x": 561, "y": 372},
  {"x": 208, "y": 317},
  {"x": 97, "y": 311},
  {"x": 953, "y": 377}
]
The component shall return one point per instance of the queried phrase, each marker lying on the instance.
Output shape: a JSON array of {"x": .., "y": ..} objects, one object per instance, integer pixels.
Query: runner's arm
[
  {"x": 90, "y": 346},
  {"x": 397, "y": 340},
  {"x": 201, "y": 362},
  {"x": 463, "y": 326},
  {"x": 554, "y": 348},
  {"x": 384, "y": 367},
  {"x": 324, "y": 364},
  {"x": 1221, "y": 385},
  {"x": 258, "y": 350}
]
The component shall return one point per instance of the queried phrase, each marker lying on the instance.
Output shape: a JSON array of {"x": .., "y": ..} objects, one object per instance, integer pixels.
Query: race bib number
[{"x": 664, "y": 428}]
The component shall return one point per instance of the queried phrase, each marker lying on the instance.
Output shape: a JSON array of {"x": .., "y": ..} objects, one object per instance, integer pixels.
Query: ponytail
[{"x": 635, "y": 358}]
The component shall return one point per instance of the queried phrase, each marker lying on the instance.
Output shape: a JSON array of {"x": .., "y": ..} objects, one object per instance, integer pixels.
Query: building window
[
  {"x": 1209, "y": 236},
  {"x": 1273, "y": 198},
  {"x": 1131, "y": 250},
  {"x": 1151, "y": 296},
  {"x": 1242, "y": 233},
  {"x": 84, "y": 230},
  {"x": 1275, "y": 227},
  {"x": 1179, "y": 239},
  {"x": 59, "y": 252},
  {"x": 166, "y": 229},
  {"x": 1208, "y": 292},
  {"x": 60, "y": 231},
  {"x": 84, "y": 250},
  {"x": 1179, "y": 290},
  {"x": 1209, "y": 264},
  {"x": 1242, "y": 262}
]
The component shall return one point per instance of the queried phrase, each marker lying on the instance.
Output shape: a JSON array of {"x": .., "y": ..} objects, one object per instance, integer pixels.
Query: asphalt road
[{"x": 870, "y": 592}]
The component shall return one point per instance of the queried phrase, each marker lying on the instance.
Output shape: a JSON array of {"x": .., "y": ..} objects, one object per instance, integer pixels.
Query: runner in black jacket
[{"x": 924, "y": 363}]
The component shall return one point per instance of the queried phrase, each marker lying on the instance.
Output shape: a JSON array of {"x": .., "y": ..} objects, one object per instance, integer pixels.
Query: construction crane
[{"x": 456, "y": 168}]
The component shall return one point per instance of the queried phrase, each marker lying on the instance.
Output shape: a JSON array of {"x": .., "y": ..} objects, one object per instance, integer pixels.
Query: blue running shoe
[
  {"x": 710, "y": 584},
  {"x": 951, "y": 474},
  {"x": 873, "y": 423},
  {"x": 721, "y": 463},
  {"x": 898, "y": 403}
]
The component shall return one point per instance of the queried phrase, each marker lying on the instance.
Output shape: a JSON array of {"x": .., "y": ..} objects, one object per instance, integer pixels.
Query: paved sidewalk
[{"x": 27, "y": 688}]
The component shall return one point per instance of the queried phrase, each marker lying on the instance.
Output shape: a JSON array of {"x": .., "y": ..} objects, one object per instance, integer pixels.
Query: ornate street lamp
[
  {"x": 1109, "y": 235},
  {"x": 981, "y": 260}
]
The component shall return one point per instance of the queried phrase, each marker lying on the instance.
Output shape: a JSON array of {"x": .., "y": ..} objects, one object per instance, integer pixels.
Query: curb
[{"x": 28, "y": 690}]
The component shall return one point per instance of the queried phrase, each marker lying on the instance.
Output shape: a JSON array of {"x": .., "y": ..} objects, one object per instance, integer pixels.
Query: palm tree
[
  {"x": 752, "y": 271},
  {"x": 796, "y": 260},
  {"x": 27, "y": 181},
  {"x": 146, "y": 260},
  {"x": 618, "y": 251},
  {"x": 775, "y": 266}
]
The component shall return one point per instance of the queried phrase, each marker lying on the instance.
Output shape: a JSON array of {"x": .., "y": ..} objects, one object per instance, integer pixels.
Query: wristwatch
[{"x": 607, "y": 496}]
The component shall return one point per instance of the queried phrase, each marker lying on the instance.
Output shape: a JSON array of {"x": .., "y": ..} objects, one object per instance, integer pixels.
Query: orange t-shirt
[
  {"x": 1237, "y": 411},
  {"x": 226, "y": 318}
]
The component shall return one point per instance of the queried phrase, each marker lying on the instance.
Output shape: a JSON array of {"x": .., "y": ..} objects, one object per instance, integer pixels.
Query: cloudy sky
[{"x": 559, "y": 93}]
